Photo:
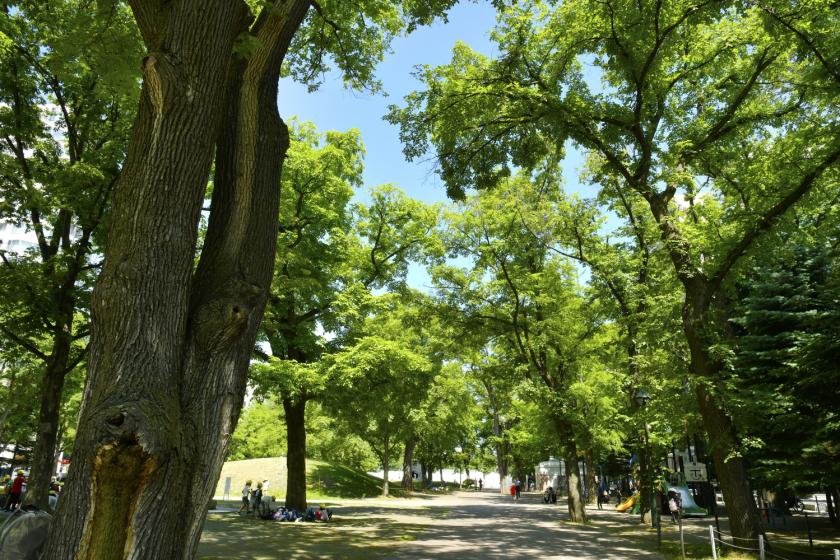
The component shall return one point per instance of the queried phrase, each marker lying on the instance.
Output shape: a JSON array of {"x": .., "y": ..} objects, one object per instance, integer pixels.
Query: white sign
[
  {"x": 227, "y": 488},
  {"x": 696, "y": 472}
]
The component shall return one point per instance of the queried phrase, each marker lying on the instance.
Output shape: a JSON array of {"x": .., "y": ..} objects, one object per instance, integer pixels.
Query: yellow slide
[{"x": 627, "y": 504}]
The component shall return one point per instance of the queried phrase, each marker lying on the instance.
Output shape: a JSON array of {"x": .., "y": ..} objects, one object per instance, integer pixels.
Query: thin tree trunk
[
  {"x": 43, "y": 463},
  {"x": 169, "y": 349},
  {"x": 644, "y": 483},
  {"x": 829, "y": 506},
  {"x": 591, "y": 483},
  {"x": 386, "y": 458},
  {"x": 408, "y": 460},
  {"x": 296, "y": 454},
  {"x": 577, "y": 509}
]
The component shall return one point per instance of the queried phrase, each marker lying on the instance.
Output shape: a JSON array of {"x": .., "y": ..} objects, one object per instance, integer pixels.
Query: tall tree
[
  {"x": 171, "y": 340},
  {"x": 382, "y": 377},
  {"x": 674, "y": 98},
  {"x": 527, "y": 299},
  {"x": 68, "y": 104},
  {"x": 331, "y": 255},
  {"x": 784, "y": 370}
]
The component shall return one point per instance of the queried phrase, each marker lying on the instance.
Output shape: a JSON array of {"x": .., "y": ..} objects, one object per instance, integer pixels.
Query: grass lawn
[
  {"x": 362, "y": 536},
  {"x": 323, "y": 480}
]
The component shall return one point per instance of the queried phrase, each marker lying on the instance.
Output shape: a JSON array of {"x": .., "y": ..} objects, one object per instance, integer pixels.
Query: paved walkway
[{"x": 480, "y": 525}]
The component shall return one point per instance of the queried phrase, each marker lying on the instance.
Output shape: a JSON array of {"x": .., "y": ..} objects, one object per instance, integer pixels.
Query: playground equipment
[
  {"x": 627, "y": 504},
  {"x": 689, "y": 506}
]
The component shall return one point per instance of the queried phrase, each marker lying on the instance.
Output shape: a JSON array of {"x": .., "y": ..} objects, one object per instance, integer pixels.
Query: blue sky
[{"x": 332, "y": 107}]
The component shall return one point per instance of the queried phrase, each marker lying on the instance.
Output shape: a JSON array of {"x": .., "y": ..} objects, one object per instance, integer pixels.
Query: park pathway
[{"x": 488, "y": 525}]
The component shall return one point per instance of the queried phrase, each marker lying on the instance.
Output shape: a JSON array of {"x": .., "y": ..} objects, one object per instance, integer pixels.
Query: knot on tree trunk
[{"x": 220, "y": 322}]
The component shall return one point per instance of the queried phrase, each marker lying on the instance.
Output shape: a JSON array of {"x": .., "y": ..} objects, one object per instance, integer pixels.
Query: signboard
[
  {"x": 227, "y": 488},
  {"x": 696, "y": 472}
]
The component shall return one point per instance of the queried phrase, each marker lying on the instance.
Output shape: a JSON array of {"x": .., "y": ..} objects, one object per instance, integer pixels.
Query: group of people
[
  {"x": 14, "y": 488},
  {"x": 251, "y": 498}
]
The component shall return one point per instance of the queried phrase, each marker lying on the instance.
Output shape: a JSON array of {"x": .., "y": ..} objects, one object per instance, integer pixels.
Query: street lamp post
[{"x": 642, "y": 399}]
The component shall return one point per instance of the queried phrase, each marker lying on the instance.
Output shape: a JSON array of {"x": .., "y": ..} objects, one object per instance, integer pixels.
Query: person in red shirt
[{"x": 14, "y": 495}]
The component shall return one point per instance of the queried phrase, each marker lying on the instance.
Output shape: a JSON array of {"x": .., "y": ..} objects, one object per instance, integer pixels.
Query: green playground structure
[{"x": 689, "y": 506}]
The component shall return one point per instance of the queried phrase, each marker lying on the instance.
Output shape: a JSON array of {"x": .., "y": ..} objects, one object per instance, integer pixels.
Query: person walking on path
[
  {"x": 480, "y": 485},
  {"x": 16, "y": 490},
  {"x": 246, "y": 495},
  {"x": 518, "y": 489}
]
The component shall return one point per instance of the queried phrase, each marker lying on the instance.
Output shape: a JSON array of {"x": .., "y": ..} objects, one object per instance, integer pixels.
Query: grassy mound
[{"x": 323, "y": 480}]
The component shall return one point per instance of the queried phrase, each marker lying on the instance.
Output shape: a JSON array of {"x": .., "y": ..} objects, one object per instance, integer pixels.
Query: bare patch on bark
[{"x": 120, "y": 471}]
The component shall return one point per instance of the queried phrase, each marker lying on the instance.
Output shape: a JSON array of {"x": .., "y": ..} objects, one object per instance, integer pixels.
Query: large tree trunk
[
  {"x": 43, "y": 463},
  {"x": 730, "y": 469},
  {"x": 408, "y": 460},
  {"x": 577, "y": 509},
  {"x": 723, "y": 441},
  {"x": 296, "y": 454},
  {"x": 169, "y": 349}
]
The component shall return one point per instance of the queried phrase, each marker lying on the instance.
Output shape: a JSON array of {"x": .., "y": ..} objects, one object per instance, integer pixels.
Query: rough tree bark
[
  {"x": 296, "y": 453},
  {"x": 408, "y": 460},
  {"x": 170, "y": 348},
  {"x": 577, "y": 508}
]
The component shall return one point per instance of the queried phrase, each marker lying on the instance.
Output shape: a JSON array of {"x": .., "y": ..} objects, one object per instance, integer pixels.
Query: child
[
  {"x": 674, "y": 505},
  {"x": 246, "y": 492}
]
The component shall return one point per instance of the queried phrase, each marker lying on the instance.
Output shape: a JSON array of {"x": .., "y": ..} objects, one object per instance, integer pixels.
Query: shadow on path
[{"x": 485, "y": 525}]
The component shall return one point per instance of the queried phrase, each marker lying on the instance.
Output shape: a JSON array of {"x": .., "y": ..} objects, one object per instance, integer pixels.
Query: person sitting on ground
[
  {"x": 246, "y": 494},
  {"x": 549, "y": 496}
]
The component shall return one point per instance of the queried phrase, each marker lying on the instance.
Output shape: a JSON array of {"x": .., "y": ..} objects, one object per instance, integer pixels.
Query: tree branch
[
  {"x": 766, "y": 221},
  {"x": 20, "y": 341}
]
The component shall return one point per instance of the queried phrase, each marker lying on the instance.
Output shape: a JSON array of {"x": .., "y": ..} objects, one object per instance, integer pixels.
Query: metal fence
[{"x": 765, "y": 550}]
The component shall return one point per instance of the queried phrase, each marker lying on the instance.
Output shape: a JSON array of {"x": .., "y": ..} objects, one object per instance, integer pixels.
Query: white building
[{"x": 16, "y": 240}]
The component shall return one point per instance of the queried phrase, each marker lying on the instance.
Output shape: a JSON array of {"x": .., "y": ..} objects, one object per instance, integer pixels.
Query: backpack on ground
[{"x": 24, "y": 534}]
